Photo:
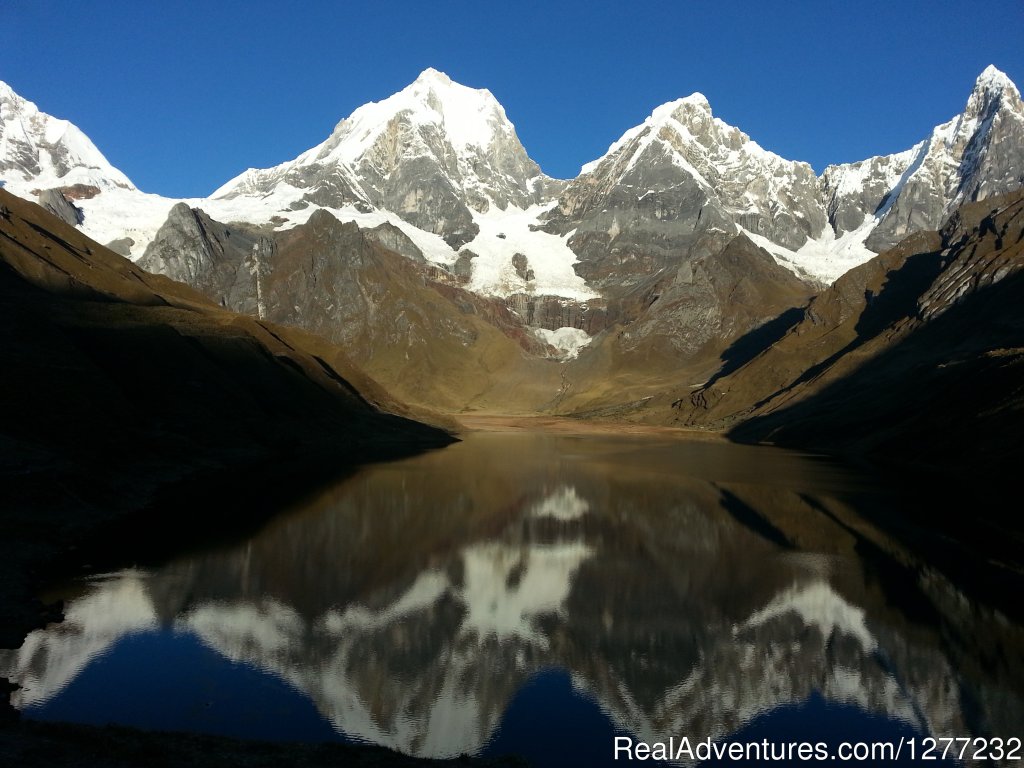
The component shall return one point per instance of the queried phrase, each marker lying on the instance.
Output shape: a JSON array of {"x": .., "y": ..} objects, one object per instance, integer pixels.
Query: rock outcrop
[{"x": 56, "y": 203}]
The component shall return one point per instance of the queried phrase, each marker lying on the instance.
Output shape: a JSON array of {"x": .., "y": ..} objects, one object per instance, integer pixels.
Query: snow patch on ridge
[{"x": 824, "y": 258}]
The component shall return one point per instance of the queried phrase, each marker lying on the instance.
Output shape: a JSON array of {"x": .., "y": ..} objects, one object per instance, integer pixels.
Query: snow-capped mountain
[
  {"x": 433, "y": 153},
  {"x": 773, "y": 196},
  {"x": 684, "y": 172},
  {"x": 976, "y": 155},
  {"x": 40, "y": 152},
  {"x": 51, "y": 161},
  {"x": 442, "y": 163},
  {"x": 680, "y": 173}
]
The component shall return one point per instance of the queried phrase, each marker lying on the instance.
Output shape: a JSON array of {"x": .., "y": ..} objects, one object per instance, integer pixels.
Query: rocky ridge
[{"x": 605, "y": 272}]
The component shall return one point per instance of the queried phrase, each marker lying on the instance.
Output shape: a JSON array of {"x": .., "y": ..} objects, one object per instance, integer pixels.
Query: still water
[{"x": 540, "y": 594}]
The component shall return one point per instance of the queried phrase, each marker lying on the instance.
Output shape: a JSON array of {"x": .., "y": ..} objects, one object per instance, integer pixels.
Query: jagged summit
[
  {"x": 468, "y": 118},
  {"x": 433, "y": 74},
  {"x": 993, "y": 79},
  {"x": 977, "y": 154},
  {"x": 993, "y": 91},
  {"x": 433, "y": 153},
  {"x": 687, "y": 120},
  {"x": 443, "y": 161}
]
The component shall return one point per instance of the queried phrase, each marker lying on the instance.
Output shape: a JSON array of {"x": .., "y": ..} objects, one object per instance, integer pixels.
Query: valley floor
[{"x": 494, "y": 422}]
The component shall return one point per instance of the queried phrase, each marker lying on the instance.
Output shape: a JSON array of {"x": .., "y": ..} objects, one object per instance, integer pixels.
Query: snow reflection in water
[{"x": 411, "y": 602}]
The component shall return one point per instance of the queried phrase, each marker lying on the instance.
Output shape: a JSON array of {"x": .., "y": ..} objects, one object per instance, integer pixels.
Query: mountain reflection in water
[{"x": 686, "y": 587}]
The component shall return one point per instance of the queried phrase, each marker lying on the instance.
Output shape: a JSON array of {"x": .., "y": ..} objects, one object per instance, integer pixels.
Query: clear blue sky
[{"x": 182, "y": 96}]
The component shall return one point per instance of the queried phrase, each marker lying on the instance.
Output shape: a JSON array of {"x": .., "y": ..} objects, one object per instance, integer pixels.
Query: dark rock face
[
  {"x": 56, "y": 203},
  {"x": 213, "y": 258},
  {"x": 679, "y": 327},
  {"x": 408, "y": 323},
  {"x": 122, "y": 246},
  {"x": 391, "y": 237},
  {"x": 721, "y": 294},
  {"x": 424, "y": 197},
  {"x": 463, "y": 267},
  {"x": 856, "y": 190},
  {"x": 553, "y": 312},
  {"x": 521, "y": 264}
]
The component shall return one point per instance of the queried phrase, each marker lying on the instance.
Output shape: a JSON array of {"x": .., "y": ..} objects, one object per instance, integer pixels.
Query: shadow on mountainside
[
  {"x": 898, "y": 294},
  {"x": 950, "y": 394},
  {"x": 752, "y": 343}
]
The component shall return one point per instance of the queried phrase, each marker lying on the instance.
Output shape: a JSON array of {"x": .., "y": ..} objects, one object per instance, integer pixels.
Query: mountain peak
[
  {"x": 696, "y": 99},
  {"x": 469, "y": 117},
  {"x": 430, "y": 74},
  {"x": 993, "y": 90},
  {"x": 433, "y": 153},
  {"x": 992, "y": 79},
  {"x": 39, "y": 151},
  {"x": 695, "y": 102}
]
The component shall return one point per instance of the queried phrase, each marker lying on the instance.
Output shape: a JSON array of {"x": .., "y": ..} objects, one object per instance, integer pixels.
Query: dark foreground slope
[
  {"x": 124, "y": 394},
  {"x": 916, "y": 357}
]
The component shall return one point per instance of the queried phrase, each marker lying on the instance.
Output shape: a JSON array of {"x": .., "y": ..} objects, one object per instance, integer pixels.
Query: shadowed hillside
[{"x": 916, "y": 356}]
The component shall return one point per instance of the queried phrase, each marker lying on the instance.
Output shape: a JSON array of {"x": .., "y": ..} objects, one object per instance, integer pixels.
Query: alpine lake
[{"x": 544, "y": 593}]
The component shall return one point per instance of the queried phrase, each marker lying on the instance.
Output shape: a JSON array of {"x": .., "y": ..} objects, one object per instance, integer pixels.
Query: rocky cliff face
[
  {"x": 681, "y": 173},
  {"x": 216, "y": 259},
  {"x": 408, "y": 323},
  {"x": 58, "y": 204},
  {"x": 682, "y": 326}
]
